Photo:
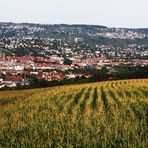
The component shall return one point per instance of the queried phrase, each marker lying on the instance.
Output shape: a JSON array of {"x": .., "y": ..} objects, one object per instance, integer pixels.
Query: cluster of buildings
[
  {"x": 118, "y": 34},
  {"x": 16, "y": 71},
  {"x": 20, "y": 70},
  {"x": 58, "y": 49},
  {"x": 30, "y": 51}
]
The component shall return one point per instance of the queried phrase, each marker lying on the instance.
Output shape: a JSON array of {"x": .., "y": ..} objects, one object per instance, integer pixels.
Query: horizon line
[{"x": 37, "y": 23}]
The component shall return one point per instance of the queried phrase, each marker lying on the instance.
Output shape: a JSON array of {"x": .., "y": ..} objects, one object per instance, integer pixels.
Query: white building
[{"x": 78, "y": 40}]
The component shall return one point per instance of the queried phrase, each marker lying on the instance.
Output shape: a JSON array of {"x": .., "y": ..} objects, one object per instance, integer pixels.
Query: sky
[{"x": 110, "y": 13}]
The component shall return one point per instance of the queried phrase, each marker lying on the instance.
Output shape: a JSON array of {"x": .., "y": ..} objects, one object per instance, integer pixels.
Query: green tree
[{"x": 67, "y": 62}]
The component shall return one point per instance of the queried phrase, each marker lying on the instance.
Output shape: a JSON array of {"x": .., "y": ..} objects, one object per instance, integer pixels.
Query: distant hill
[
  {"x": 57, "y": 25},
  {"x": 26, "y": 38},
  {"x": 56, "y": 30}
]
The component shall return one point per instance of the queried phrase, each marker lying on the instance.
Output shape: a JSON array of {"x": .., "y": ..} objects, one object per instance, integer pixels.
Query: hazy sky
[{"x": 112, "y": 13}]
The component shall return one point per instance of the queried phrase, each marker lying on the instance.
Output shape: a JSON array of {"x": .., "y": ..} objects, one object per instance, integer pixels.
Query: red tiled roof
[{"x": 17, "y": 78}]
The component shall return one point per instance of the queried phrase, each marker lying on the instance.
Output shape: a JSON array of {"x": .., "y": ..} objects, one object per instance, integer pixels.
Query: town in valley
[{"x": 64, "y": 52}]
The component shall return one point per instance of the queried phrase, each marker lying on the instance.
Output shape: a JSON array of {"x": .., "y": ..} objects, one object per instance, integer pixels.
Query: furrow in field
[
  {"x": 88, "y": 108},
  {"x": 86, "y": 97},
  {"x": 113, "y": 96},
  {"x": 99, "y": 101},
  {"x": 112, "y": 85},
  {"x": 140, "y": 110},
  {"x": 132, "y": 96},
  {"x": 118, "y": 96},
  {"x": 70, "y": 100},
  {"x": 144, "y": 91},
  {"x": 95, "y": 97},
  {"x": 75, "y": 100},
  {"x": 63, "y": 99},
  {"x": 106, "y": 104},
  {"x": 75, "y": 111},
  {"x": 98, "y": 113}
]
